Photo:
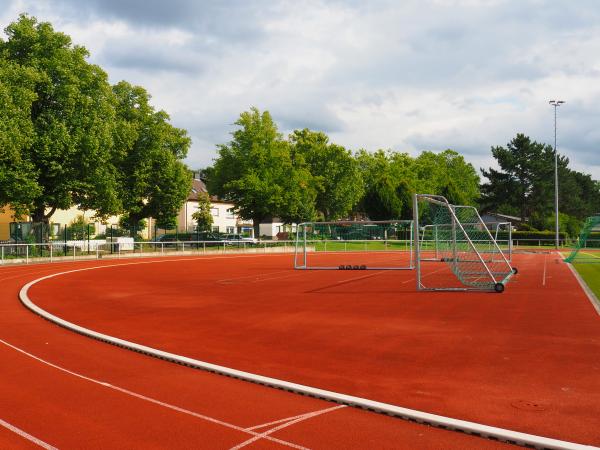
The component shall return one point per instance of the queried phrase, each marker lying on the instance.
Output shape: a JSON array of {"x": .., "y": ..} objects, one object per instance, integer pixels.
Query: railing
[{"x": 55, "y": 251}]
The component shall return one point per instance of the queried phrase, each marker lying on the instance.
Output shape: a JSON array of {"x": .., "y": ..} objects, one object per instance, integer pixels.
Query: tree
[
  {"x": 153, "y": 180},
  {"x": 63, "y": 158},
  {"x": 336, "y": 173},
  {"x": 17, "y": 173},
  {"x": 257, "y": 173},
  {"x": 525, "y": 179},
  {"x": 447, "y": 174},
  {"x": 385, "y": 183},
  {"x": 203, "y": 216}
]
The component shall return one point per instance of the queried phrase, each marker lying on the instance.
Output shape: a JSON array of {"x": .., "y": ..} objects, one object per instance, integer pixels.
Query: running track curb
[{"x": 448, "y": 423}]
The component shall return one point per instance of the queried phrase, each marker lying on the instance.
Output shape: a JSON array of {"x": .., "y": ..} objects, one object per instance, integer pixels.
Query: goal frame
[
  {"x": 301, "y": 246},
  {"x": 496, "y": 284}
]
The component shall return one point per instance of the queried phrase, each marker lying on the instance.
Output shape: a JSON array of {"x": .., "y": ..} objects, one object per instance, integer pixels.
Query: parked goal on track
[
  {"x": 458, "y": 251},
  {"x": 355, "y": 245},
  {"x": 587, "y": 246}
]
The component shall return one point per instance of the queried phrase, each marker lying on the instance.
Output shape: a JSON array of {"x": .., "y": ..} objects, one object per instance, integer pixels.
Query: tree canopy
[
  {"x": 68, "y": 138},
  {"x": 256, "y": 171},
  {"x": 524, "y": 184}
]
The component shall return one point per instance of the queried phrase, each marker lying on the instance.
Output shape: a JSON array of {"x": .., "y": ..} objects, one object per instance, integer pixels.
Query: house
[{"x": 224, "y": 219}]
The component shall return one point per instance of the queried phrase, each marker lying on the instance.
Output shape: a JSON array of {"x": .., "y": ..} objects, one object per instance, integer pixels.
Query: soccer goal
[
  {"x": 587, "y": 247},
  {"x": 455, "y": 249},
  {"x": 354, "y": 245}
]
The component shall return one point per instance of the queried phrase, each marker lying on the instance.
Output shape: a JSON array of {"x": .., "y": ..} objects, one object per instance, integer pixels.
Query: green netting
[
  {"x": 459, "y": 238},
  {"x": 354, "y": 244},
  {"x": 587, "y": 246}
]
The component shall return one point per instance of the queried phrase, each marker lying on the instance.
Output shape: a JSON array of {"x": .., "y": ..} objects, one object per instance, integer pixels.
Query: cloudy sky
[{"x": 406, "y": 75}]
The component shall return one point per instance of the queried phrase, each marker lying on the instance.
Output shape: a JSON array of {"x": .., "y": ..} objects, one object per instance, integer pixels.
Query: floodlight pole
[{"x": 556, "y": 104}]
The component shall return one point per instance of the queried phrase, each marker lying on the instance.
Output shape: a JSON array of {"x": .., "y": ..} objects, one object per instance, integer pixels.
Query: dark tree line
[{"x": 524, "y": 186}]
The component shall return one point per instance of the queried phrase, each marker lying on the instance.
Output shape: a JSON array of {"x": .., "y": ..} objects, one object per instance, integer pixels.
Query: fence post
[
  {"x": 3, "y": 254},
  {"x": 26, "y": 253}
]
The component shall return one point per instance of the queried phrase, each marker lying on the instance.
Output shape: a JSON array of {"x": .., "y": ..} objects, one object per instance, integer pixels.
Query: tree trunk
[{"x": 256, "y": 225}]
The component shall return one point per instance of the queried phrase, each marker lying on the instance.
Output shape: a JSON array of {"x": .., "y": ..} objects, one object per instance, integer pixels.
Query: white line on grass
[
  {"x": 450, "y": 423},
  {"x": 27, "y": 436},
  {"x": 148, "y": 399}
]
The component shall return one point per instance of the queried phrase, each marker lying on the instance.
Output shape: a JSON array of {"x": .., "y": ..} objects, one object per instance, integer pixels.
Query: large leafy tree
[
  {"x": 256, "y": 171},
  {"x": 388, "y": 183},
  {"x": 448, "y": 174},
  {"x": 153, "y": 181},
  {"x": 17, "y": 173},
  {"x": 61, "y": 155},
  {"x": 336, "y": 173},
  {"x": 524, "y": 183}
]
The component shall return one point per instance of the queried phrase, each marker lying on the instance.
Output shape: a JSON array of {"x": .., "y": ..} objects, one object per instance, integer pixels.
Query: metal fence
[
  {"x": 73, "y": 250},
  {"x": 57, "y": 251}
]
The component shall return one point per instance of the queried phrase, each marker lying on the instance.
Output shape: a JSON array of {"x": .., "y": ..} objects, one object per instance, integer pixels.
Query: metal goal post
[
  {"x": 470, "y": 256},
  {"x": 355, "y": 245}
]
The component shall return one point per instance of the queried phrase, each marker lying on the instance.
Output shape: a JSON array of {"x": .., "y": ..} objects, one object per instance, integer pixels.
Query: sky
[{"x": 402, "y": 75}]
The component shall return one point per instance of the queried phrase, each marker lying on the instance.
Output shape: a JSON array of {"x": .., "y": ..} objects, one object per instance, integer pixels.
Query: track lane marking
[
  {"x": 149, "y": 399},
  {"x": 287, "y": 419},
  {"x": 26, "y": 435},
  {"x": 288, "y": 423}
]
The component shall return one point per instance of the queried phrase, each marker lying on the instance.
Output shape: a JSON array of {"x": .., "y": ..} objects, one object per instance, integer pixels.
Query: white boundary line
[
  {"x": 148, "y": 399},
  {"x": 27, "y": 436},
  {"x": 502, "y": 434}
]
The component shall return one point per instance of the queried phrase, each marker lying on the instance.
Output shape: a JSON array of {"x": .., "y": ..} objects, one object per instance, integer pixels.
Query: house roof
[{"x": 198, "y": 186}]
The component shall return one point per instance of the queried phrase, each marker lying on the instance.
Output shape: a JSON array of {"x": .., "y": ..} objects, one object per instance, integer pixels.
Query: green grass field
[{"x": 591, "y": 275}]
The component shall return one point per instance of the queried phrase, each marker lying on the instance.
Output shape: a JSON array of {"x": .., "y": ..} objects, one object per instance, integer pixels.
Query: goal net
[
  {"x": 354, "y": 245},
  {"x": 587, "y": 247},
  {"x": 431, "y": 247},
  {"x": 456, "y": 250}
]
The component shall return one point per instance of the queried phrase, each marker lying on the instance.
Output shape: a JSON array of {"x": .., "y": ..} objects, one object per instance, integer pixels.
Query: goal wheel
[
  {"x": 499, "y": 287},
  {"x": 515, "y": 271}
]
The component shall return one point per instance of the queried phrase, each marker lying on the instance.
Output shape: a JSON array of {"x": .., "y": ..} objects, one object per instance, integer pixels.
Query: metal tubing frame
[
  {"x": 442, "y": 201},
  {"x": 350, "y": 222}
]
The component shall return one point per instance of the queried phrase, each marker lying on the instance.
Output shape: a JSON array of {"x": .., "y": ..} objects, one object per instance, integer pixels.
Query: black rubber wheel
[
  {"x": 499, "y": 287},
  {"x": 515, "y": 271}
]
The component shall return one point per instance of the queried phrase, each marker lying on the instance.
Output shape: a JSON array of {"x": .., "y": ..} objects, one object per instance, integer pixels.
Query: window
[
  {"x": 214, "y": 212},
  {"x": 230, "y": 214},
  {"x": 215, "y": 229},
  {"x": 230, "y": 230}
]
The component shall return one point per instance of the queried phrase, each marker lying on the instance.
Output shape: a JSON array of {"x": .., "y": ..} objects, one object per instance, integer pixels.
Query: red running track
[{"x": 522, "y": 360}]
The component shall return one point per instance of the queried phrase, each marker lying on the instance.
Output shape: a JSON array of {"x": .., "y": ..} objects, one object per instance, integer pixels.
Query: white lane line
[
  {"x": 27, "y": 436},
  {"x": 285, "y": 425},
  {"x": 287, "y": 419},
  {"x": 148, "y": 399}
]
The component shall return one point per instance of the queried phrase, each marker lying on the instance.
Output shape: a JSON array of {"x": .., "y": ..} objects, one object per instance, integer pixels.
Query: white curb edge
[{"x": 473, "y": 428}]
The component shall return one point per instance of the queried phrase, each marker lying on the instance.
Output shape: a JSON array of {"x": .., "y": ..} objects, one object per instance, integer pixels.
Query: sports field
[{"x": 523, "y": 361}]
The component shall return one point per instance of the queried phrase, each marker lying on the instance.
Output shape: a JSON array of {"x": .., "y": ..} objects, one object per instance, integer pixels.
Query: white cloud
[{"x": 411, "y": 75}]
